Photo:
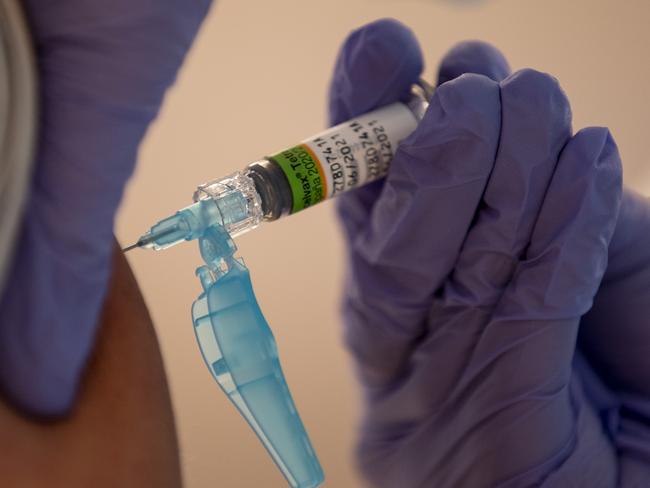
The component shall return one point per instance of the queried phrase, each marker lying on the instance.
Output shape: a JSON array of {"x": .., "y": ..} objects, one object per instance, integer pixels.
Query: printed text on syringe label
[
  {"x": 346, "y": 156},
  {"x": 360, "y": 150}
]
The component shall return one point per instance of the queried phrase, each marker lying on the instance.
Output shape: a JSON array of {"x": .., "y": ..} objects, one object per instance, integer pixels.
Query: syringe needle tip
[{"x": 132, "y": 246}]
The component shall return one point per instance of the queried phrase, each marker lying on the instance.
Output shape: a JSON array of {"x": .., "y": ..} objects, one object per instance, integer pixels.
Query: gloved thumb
[
  {"x": 377, "y": 65},
  {"x": 402, "y": 252}
]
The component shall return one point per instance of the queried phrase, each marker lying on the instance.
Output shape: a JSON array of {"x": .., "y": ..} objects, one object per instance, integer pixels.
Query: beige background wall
[{"x": 255, "y": 82}]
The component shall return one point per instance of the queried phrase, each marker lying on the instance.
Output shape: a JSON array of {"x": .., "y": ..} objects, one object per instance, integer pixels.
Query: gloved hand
[
  {"x": 471, "y": 268},
  {"x": 104, "y": 68}
]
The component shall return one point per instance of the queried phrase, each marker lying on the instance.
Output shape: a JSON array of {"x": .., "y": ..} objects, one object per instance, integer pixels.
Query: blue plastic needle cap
[{"x": 240, "y": 351}]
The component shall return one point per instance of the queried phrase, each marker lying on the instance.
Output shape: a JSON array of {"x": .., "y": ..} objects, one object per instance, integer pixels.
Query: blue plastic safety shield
[{"x": 240, "y": 351}]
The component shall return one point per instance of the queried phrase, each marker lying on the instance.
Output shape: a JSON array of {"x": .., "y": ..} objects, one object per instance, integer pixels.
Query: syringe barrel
[{"x": 337, "y": 160}]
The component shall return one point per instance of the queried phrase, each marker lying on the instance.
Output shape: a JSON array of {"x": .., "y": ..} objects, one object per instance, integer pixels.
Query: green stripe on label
[{"x": 305, "y": 179}]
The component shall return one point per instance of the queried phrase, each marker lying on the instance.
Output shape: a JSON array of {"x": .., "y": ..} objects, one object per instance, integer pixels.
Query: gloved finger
[
  {"x": 104, "y": 70},
  {"x": 535, "y": 127},
  {"x": 505, "y": 374},
  {"x": 376, "y": 66},
  {"x": 410, "y": 241},
  {"x": 621, "y": 353},
  {"x": 567, "y": 255},
  {"x": 536, "y": 124},
  {"x": 476, "y": 57},
  {"x": 566, "y": 258},
  {"x": 521, "y": 364}
]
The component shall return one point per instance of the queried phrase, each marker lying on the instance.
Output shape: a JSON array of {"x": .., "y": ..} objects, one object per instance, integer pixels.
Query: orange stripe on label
[{"x": 320, "y": 169}]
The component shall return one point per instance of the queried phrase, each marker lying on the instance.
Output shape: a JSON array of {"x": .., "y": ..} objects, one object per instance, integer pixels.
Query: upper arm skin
[{"x": 121, "y": 431}]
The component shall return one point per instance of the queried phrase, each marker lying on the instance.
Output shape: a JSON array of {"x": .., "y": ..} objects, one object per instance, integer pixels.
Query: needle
[
  {"x": 150, "y": 239},
  {"x": 132, "y": 246}
]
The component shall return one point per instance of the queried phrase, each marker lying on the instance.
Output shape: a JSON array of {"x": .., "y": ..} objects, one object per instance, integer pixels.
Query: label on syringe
[{"x": 346, "y": 156}]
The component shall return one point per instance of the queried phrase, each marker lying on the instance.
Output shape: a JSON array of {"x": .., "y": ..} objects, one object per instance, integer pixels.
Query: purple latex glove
[
  {"x": 104, "y": 69},
  {"x": 470, "y": 270}
]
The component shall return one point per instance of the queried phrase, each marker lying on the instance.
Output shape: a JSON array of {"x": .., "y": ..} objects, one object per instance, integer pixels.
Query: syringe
[
  {"x": 236, "y": 342},
  {"x": 339, "y": 159}
]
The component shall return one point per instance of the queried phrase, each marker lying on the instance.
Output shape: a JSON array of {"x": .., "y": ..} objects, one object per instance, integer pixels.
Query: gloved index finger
[{"x": 476, "y": 57}]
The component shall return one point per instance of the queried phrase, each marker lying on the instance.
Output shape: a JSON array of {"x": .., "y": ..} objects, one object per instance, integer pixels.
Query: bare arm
[{"x": 121, "y": 432}]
